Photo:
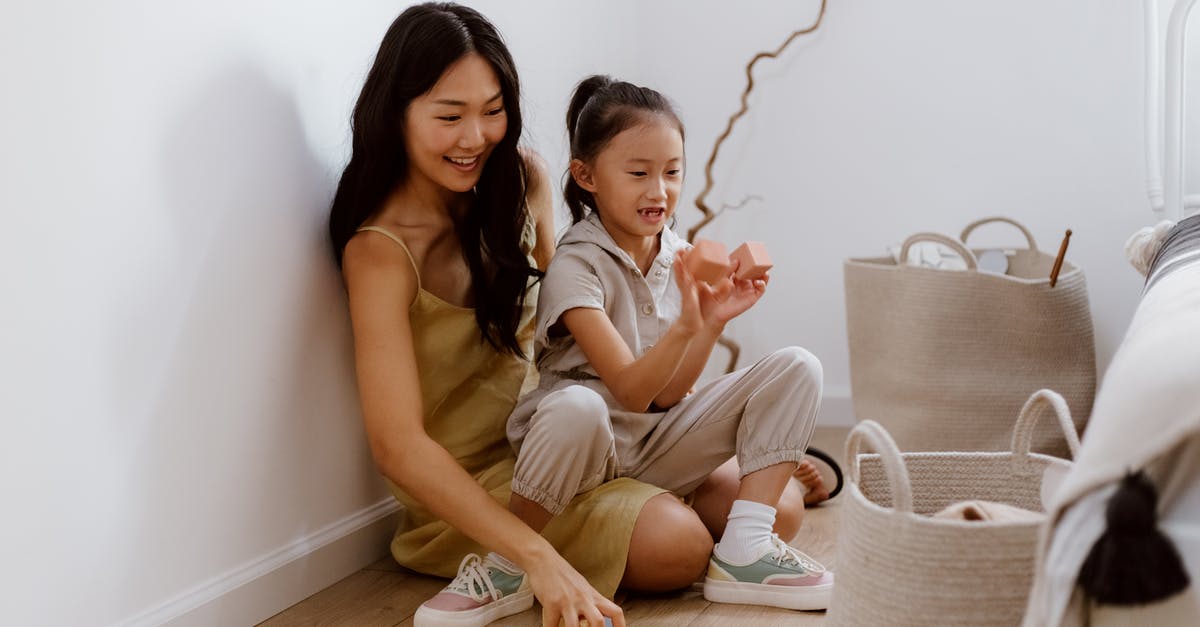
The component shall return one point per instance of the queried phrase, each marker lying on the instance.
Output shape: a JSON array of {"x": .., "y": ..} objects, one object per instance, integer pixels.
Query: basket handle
[
  {"x": 1037, "y": 406},
  {"x": 953, "y": 244},
  {"x": 978, "y": 223},
  {"x": 889, "y": 453}
]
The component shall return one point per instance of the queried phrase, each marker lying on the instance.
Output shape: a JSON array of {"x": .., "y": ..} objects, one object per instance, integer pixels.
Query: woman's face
[{"x": 451, "y": 130}]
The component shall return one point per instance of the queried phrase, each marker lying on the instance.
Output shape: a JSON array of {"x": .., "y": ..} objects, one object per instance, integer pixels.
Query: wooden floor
[{"x": 385, "y": 595}]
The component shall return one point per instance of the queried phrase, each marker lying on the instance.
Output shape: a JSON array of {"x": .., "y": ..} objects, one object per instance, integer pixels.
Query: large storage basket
[
  {"x": 944, "y": 358},
  {"x": 898, "y": 566}
]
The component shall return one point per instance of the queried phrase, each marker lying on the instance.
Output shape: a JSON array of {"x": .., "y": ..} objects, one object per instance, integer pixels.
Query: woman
[{"x": 441, "y": 224}]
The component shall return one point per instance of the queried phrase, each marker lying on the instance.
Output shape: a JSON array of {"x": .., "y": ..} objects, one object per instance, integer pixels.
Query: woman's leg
[{"x": 669, "y": 548}]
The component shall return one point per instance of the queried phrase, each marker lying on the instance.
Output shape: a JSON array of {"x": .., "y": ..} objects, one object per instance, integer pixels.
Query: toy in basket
[{"x": 899, "y": 565}]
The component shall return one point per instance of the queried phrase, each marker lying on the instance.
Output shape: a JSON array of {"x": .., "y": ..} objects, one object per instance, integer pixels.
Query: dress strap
[{"x": 395, "y": 238}]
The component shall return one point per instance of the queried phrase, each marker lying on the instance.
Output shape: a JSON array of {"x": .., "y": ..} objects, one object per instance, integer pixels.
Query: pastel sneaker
[
  {"x": 783, "y": 577},
  {"x": 482, "y": 592}
]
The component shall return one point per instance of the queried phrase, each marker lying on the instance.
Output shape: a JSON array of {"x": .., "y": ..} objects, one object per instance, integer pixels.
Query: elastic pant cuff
[
  {"x": 763, "y": 460},
  {"x": 539, "y": 496}
]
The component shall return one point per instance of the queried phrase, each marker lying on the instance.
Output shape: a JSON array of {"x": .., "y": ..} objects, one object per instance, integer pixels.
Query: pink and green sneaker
[
  {"x": 783, "y": 577},
  {"x": 482, "y": 592}
]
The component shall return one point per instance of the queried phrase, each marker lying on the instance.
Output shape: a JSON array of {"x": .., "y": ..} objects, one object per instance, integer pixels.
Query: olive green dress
[{"x": 468, "y": 390}]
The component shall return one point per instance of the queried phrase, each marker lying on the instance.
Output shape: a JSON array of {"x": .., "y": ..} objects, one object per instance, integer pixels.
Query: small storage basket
[{"x": 896, "y": 565}]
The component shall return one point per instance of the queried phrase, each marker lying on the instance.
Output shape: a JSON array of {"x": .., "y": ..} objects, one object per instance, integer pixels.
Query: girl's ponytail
[
  {"x": 577, "y": 198},
  {"x": 583, "y": 93}
]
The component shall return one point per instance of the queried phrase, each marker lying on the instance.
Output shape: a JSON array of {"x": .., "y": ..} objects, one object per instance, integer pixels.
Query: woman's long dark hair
[
  {"x": 600, "y": 109},
  {"x": 418, "y": 47}
]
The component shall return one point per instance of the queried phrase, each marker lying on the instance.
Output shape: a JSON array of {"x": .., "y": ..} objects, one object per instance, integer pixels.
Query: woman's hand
[
  {"x": 567, "y": 597},
  {"x": 729, "y": 299}
]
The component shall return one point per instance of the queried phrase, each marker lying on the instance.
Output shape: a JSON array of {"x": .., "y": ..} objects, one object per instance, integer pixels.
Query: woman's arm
[
  {"x": 382, "y": 285},
  {"x": 540, "y": 200},
  {"x": 635, "y": 383}
]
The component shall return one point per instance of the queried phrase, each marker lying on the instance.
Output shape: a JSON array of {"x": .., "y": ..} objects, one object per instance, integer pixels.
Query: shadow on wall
[{"x": 246, "y": 422}]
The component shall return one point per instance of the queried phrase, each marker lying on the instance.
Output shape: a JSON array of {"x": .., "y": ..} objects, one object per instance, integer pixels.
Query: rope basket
[
  {"x": 899, "y": 566},
  {"x": 945, "y": 358}
]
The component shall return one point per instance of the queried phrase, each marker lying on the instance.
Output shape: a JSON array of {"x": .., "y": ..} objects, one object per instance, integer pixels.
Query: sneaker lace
[
  {"x": 473, "y": 580},
  {"x": 786, "y": 554}
]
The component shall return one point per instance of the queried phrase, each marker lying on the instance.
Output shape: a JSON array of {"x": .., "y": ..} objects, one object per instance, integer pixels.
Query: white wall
[
  {"x": 898, "y": 117},
  {"x": 177, "y": 396}
]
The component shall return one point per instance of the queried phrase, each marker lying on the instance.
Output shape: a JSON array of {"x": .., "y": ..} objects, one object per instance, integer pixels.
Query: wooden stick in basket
[{"x": 1058, "y": 261}]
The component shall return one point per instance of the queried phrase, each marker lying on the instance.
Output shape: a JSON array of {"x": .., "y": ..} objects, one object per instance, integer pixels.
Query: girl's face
[
  {"x": 636, "y": 178},
  {"x": 450, "y": 131}
]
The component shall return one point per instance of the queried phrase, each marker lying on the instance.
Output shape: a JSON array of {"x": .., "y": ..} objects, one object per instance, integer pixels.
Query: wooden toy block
[
  {"x": 708, "y": 261},
  {"x": 754, "y": 260}
]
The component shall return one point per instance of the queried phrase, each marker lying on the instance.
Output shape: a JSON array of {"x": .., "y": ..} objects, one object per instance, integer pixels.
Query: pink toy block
[
  {"x": 754, "y": 260},
  {"x": 708, "y": 261}
]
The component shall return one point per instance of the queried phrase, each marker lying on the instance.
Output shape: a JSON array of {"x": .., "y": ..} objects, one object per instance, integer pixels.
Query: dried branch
[
  {"x": 741, "y": 203},
  {"x": 709, "y": 214}
]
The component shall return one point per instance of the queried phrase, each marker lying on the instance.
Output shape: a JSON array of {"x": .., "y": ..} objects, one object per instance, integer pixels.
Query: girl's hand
[
  {"x": 692, "y": 292},
  {"x": 567, "y": 597},
  {"x": 730, "y": 299}
]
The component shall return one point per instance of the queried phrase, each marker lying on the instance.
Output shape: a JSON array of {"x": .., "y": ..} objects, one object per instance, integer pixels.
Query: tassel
[{"x": 1132, "y": 563}]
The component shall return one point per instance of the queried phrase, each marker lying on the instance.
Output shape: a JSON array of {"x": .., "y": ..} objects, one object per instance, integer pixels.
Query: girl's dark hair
[
  {"x": 600, "y": 109},
  {"x": 417, "y": 48}
]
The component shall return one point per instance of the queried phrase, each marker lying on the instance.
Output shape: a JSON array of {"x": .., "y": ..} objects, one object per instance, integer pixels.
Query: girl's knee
[
  {"x": 799, "y": 363},
  {"x": 578, "y": 400},
  {"x": 573, "y": 414}
]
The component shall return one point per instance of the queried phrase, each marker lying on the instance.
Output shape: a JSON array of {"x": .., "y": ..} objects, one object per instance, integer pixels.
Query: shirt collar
[{"x": 590, "y": 230}]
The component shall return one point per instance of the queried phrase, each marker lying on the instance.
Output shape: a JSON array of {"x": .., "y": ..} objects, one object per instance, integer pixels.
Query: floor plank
[{"x": 368, "y": 598}]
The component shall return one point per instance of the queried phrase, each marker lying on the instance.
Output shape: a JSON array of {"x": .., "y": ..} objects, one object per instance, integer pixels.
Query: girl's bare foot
[{"x": 814, "y": 486}]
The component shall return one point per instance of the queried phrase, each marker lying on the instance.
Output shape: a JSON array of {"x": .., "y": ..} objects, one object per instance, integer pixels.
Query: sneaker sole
[
  {"x": 787, "y": 597},
  {"x": 513, "y": 604}
]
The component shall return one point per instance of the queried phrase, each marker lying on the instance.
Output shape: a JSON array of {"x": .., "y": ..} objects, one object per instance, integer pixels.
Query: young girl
[{"x": 623, "y": 333}]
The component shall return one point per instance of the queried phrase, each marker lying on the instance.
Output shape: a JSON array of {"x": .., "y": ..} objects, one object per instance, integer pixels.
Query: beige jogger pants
[{"x": 765, "y": 414}]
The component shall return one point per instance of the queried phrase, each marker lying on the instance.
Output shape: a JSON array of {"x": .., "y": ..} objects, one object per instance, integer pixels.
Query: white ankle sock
[
  {"x": 503, "y": 562},
  {"x": 747, "y": 532}
]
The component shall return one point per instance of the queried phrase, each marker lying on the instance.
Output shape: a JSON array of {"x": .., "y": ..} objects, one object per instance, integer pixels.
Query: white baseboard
[
  {"x": 262, "y": 587},
  {"x": 837, "y": 410}
]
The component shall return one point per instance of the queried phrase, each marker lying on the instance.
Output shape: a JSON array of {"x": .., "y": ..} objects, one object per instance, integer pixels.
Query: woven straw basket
[
  {"x": 945, "y": 358},
  {"x": 898, "y": 566}
]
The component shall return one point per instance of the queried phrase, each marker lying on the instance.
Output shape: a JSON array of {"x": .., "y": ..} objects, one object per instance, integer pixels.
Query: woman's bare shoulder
[
  {"x": 375, "y": 261},
  {"x": 537, "y": 171}
]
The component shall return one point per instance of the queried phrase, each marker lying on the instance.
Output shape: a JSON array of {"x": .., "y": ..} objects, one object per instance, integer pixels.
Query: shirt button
[
  {"x": 659, "y": 272},
  {"x": 635, "y": 272},
  {"x": 647, "y": 309}
]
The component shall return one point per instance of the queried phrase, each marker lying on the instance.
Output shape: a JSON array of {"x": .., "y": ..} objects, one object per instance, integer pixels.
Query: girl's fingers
[
  {"x": 723, "y": 289},
  {"x": 683, "y": 278}
]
